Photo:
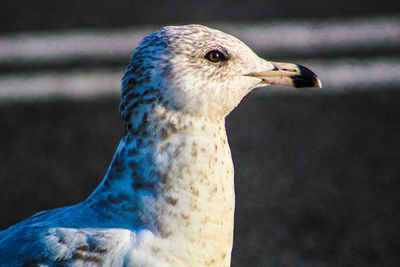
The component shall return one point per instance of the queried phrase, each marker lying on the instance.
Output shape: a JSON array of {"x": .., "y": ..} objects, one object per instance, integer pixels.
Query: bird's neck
[{"x": 173, "y": 175}]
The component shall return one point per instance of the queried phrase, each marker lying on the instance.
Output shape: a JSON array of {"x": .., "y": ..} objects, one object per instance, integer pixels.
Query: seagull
[{"x": 168, "y": 197}]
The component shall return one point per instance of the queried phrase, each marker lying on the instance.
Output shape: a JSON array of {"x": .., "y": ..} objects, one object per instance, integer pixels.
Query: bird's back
[
  {"x": 52, "y": 238},
  {"x": 76, "y": 236}
]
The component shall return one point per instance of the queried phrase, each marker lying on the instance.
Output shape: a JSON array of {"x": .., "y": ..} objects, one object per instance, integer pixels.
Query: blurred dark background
[
  {"x": 22, "y": 15},
  {"x": 317, "y": 171}
]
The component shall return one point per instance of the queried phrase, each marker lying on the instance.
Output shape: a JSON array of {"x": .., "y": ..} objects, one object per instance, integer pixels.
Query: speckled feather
[{"x": 168, "y": 196}]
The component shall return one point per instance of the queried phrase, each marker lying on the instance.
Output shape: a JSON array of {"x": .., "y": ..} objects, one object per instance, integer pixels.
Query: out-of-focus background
[{"x": 317, "y": 170}]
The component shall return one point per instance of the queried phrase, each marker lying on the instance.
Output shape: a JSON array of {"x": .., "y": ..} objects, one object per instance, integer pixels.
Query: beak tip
[
  {"x": 318, "y": 83},
  {"x": 306, "y": 78}
]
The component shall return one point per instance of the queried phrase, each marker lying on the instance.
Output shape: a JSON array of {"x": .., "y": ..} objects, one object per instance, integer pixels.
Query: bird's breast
[{"x": 197, "y": 204}]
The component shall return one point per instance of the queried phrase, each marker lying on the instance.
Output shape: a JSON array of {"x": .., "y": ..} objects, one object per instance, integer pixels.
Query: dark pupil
[{"x": 214, "y": 56}]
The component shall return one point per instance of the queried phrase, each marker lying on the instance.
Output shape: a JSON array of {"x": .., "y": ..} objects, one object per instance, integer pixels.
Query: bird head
[{"x": 202, "y": 71}]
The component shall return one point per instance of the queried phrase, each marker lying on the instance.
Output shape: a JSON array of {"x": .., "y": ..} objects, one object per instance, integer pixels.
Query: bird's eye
[{"x": 215, "y": 56}]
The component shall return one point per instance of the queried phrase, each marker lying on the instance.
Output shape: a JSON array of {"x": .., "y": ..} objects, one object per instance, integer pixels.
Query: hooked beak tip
[{"x": 305, "y": 78}]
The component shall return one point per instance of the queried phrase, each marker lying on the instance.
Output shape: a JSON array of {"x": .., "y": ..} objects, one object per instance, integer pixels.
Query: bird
[{"x": 168, "y": 196}]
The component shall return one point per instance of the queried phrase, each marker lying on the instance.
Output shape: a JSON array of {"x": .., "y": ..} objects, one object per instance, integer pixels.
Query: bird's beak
[{"x": 288, "y": 74}]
